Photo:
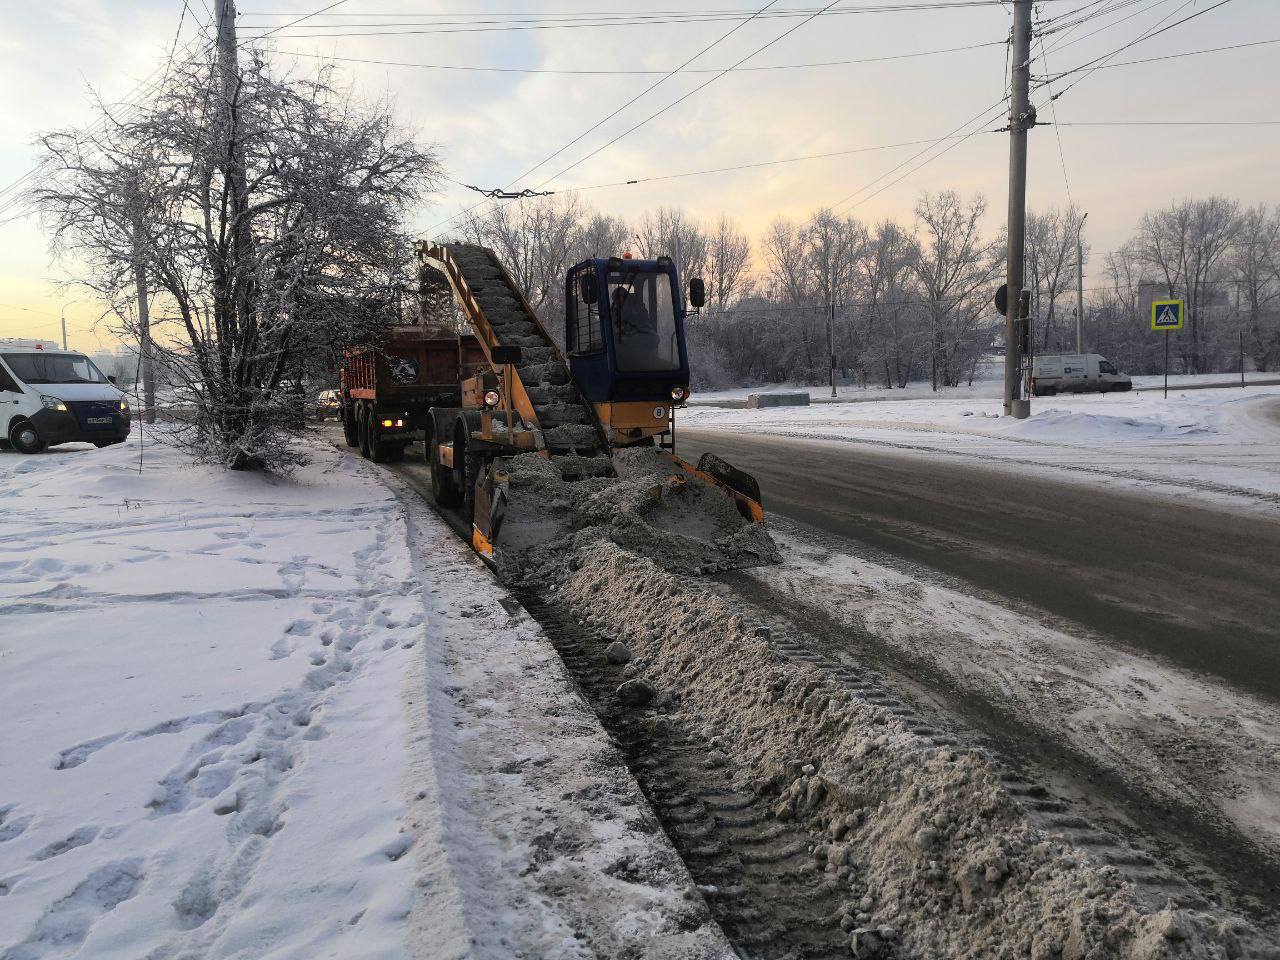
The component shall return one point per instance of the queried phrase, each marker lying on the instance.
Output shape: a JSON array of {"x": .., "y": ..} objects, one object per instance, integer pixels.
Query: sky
[{"x": 489, "y": 128}]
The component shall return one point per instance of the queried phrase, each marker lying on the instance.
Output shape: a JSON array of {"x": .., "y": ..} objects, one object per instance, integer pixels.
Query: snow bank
[
  {"x": 203, "y": 737},
  {"x": 258, "y": 718},
  {"x": 937, "y": 853},
  {"x": 1221, "y": 445}
]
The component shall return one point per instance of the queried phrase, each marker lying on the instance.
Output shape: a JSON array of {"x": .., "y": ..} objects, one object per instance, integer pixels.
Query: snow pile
[
  {"x": 653, "y": 507},
  {"x": 1078, "y": 426},
  {"x": 935, "y": 852},
  {"x": 203, "y": 740},
  {"x": 258, "y": 718}
]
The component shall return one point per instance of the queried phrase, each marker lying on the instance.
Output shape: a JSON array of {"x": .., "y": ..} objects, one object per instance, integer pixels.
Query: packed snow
[
  {"x": 237, "y": 725},
  {"x": 1221, "y": 445}
]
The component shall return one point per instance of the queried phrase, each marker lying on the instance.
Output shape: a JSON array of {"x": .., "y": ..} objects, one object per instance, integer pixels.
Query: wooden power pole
[{"x": 1021, "y": 119}]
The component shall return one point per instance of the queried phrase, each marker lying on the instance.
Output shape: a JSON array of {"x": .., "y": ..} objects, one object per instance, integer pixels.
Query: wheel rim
[{"x": 27, "y": 437}]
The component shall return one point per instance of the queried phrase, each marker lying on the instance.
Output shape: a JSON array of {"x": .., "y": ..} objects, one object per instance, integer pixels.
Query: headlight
[
  {"x": 53, "y": 403},
  {"x": 678, "y": 393},
  {"x": 124, "y": 405},
  {"x": 492, "y": 398}
]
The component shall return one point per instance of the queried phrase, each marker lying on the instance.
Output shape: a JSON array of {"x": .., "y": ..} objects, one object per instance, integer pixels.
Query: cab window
[
  {"x": 583, "y": 334},
  {"x": 644, "y": 321},
  {"x": 1106, "y": 366}
]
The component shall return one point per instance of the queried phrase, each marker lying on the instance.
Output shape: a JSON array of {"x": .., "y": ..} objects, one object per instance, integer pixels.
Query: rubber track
[
  {"x": 568, "y": 422},
  {"x": 758, "y": 875},
  {"x": 1156, "y": 884}
]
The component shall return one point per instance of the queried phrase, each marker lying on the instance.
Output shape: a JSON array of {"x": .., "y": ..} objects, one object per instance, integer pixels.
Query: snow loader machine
[{"x": 618, "y": 385}]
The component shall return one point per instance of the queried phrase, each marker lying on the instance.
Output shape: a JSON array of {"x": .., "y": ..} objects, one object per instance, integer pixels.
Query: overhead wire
[{"x": 471, "y": 68}]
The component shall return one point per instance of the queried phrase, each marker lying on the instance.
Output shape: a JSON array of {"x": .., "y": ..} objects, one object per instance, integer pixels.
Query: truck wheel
[
  {"x": 349, "y": 431},
  {"x": 362, "y": 429},
  {"x": 373, "y": 430},
  {"x": 26, "y": 438},
  {"x": 442, "y": 488},
  {"x": 472, "y": 465}
]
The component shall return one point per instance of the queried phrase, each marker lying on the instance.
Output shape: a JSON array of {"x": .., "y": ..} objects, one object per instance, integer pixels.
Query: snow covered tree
[{"x": 268, "y": 219}]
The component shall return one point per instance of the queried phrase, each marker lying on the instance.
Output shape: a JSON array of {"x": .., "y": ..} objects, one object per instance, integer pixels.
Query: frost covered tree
[
  {"x": 270, "y": 234},
  {"x": 957, "y": 269},
  {"x": 535, "y": 238}
]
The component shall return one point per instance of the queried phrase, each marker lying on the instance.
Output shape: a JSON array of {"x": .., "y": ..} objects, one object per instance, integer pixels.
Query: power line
[
  {"x": 1153, "y": 32},
  {"x": 702, "y": 86},
  {"x": 293, "y": 23},
  {"x": 480, "y": 26},
  {"x": 1175, "y": 56},
  {"x": 1169, "y": 123},
  {"x": 467, "y": 68},
  {"x": 653, "y": 86}
]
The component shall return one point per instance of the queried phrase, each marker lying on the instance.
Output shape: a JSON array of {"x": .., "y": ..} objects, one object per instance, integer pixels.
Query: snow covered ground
[
  {"x": 1183, "y": 738},
  {"x": 1216, "y": 444},
  {"x": 255, "y": 718}
]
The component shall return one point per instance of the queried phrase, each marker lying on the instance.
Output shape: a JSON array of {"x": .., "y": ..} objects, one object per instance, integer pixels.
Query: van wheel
[{"x": 26, "y": 438}]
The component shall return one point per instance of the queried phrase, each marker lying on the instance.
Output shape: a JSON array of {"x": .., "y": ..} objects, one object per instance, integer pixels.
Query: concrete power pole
[
  {"x": 64, "y": 328},
  {"x": 1080, "y": 285},
  {"x": 144, "y": 323},
  {"x": 831, "y": 343},
  {"x": 1021, "y": 119}
]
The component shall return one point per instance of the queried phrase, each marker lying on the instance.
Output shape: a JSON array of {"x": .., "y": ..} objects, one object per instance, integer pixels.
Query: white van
[
  {"x": 51, "y": 396},
  {"x": 1076, "y": 373}
]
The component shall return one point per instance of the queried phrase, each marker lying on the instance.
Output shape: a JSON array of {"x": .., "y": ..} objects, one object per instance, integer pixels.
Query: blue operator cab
[{"x": 624, "y": 336}]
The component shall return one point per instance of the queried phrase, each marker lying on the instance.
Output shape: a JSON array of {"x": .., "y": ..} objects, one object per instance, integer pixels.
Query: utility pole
[
  {"x": 831, "y": 343},
  {"x": 1080, "y": 285},
  {"x": 1021, "y": 118},
  {"x": 144, "y": 318},
  {"x": 64, "y": 329}
]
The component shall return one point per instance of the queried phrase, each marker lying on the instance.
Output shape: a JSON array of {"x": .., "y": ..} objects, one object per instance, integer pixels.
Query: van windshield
[{"x": 53, "y": 368}]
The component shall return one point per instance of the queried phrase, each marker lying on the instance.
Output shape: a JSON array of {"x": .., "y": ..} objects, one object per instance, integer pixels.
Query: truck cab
[
  {"x": 1076, "y": 373},
  {"x": 625, "y": 342},
  {"x": 50, "y": 396}
]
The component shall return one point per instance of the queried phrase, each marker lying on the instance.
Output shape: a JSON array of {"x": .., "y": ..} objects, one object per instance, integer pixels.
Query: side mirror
[
  {"x": 697, "y": 293},
  {"x": 587, "y": 288},
  {"x": 112, "y": 380}
]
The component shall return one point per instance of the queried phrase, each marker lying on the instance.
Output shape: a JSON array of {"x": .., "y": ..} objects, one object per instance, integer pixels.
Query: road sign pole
[{"x": 1166, "y": 364}]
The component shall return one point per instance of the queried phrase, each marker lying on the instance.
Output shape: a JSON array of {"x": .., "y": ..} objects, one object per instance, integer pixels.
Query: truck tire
[
  {"x": 348, "y": 416},
  {"x": 377, "y": 443},
  {"x": 362, "y": 429},
  {"x": 25, "y": 438},
  {"x": 442, "y": 488},
  {"x": 472, "y": 465}
]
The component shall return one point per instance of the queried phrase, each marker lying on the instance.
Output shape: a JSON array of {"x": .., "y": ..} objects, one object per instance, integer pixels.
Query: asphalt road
[{"x": 1198, "y": 586}]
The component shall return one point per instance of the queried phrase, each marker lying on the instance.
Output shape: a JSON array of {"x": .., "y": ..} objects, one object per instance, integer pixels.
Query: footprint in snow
[
  {"x": 12, "y": 827},
  {"x": 67, "y": 923},
  {"x": 81, "y": 837}
]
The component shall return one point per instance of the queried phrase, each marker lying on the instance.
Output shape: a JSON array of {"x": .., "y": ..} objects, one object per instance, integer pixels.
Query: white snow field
[
  {"x": 1221, "y": 445},
  {"x": 257, "y": 718}
]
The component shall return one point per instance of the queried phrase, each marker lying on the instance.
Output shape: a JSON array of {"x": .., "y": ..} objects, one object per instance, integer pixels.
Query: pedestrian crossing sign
[{"x": 1168, "y": 314}]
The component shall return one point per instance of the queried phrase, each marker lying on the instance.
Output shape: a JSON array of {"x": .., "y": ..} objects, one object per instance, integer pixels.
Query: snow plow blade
[{"x": 693, "y": 520}]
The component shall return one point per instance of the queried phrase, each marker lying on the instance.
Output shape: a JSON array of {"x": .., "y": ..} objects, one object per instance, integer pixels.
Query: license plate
[{"x": 98, "y": 421}]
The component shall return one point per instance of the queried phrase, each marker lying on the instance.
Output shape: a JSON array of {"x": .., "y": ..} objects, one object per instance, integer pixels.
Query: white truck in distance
[{"x": 1076, "y": 373}]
